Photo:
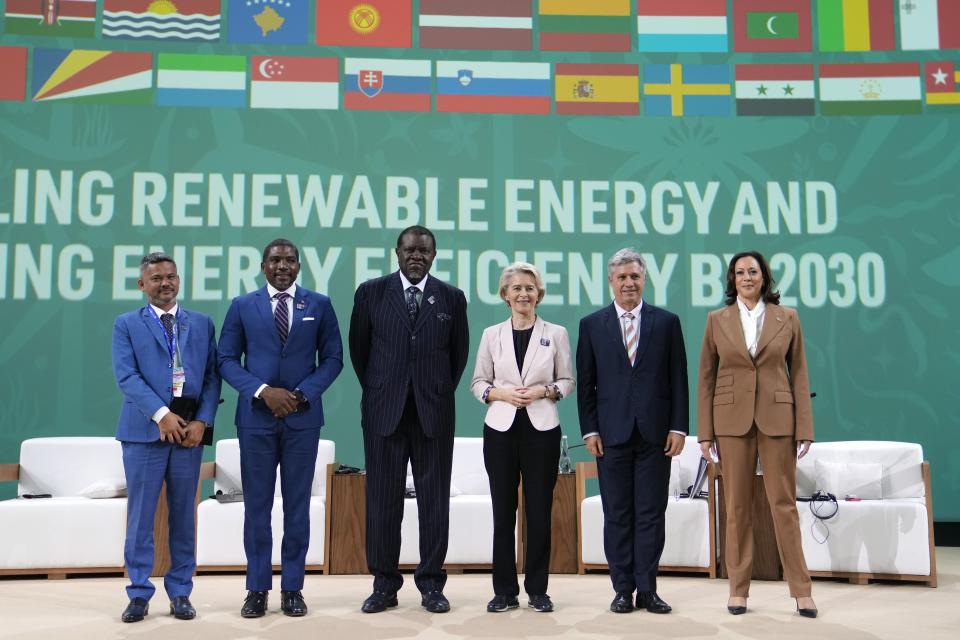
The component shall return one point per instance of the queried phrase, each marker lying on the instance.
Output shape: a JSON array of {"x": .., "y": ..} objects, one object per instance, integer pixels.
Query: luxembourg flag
[
  {"x": 372, "y": 84},
  {"x": 493, "y": 87},
  {"x": 682, "y": 25}
]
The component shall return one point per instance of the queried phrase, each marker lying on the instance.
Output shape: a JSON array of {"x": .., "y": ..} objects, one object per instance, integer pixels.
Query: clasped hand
[
  {"x": 280, "y": 401},
  {"x": 176, "y": 430}
]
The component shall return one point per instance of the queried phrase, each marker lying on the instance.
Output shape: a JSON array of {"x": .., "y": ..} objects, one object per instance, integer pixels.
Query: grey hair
[
  {"x": 522, "y": 267},
  {"x": 625, "y": 256},
  {"x": 154, "y": 258}
]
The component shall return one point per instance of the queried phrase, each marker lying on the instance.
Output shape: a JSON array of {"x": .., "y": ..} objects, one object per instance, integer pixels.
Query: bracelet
[
  {"x": 546, "y": 391},
  {"x": 486, "y": 392}
]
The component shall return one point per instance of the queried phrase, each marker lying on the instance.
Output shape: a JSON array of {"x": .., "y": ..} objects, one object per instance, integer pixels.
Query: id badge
[{"x": 179, "y": 378}]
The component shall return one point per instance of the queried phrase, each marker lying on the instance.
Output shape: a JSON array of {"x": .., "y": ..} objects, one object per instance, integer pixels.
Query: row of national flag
[
  {"x": 671, "y": 26},
  {"x": 289, "y": 82}
]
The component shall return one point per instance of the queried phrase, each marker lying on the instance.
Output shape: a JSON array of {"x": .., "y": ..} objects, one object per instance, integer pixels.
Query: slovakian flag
[
  {"x": 116, "y": 77},
  {"x": 268, "y": 22},
  {"x": 929, "y": 24},
  {"x": 771, "y": 25},
  {"x": 365, "y": 23},
  {"x": 176, "y": 20},
  {"x": 943, "y": 84},
  {"x": 13, "y": 73},
  {"x": 891, "y": 88},
  {"x": 194, "y": 80},
  {"x": 493, "y": 87},
  {"x": 287, "y": 82},
  {"x": 371, "y": 84},
  {"x": 774, "y": 90},
  {"x": 855, "y": 25},
  {"x": 470, "y": 24},
  {"x": 686, "y": 90},
  {"x": 597, "y": 89},
  {"x": 682, "y": 25},
  {"x": 585, "y": 25},
  {"x": 60, "y": 18}
]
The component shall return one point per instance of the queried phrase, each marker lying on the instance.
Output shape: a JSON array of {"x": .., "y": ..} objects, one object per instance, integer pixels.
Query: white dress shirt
[
  {"x": 273, "y": 291},
  {"x": 406, "y": 284},
  {"x": 162, "y": 411},
  {"x": 752, "y": 322}
]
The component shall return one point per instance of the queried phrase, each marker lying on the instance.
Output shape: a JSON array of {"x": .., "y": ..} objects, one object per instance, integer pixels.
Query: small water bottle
[{"x": 565, "y": 466}]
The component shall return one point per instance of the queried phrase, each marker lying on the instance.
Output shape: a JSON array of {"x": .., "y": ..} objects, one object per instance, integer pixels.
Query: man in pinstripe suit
[{"x": 408, "y": 343}]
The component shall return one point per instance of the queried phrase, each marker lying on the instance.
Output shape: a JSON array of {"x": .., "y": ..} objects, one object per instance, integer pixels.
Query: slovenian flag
[
  {"x": 493, "y": 87},
  {"x": 372, "y": 84},
  {"x": 870, "y": 89},
  {"x": 929, "y": 24},
  {"x": 286, "y": 82},
  {"x": 192, "y": 80},
  {"x": 682, "y": 25}
]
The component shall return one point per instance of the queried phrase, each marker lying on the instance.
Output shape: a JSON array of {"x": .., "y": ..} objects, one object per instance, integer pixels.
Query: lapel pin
[
  {"x": 301, "y": 305},
  {"x": 431, "y": 300}
]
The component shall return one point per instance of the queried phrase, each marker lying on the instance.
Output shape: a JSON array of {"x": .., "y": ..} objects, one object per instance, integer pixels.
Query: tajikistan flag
[{"x": 870, "y": 89}]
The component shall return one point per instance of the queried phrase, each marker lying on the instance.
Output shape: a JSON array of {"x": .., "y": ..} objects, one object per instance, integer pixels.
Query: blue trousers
[
  {"x": 295, "y": 451},
  {"x": 147, "y": 465}
]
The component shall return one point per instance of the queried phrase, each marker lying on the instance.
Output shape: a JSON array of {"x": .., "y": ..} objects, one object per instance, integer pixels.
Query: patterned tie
[
  {"x": 167, "y": 320},
  {"x": 629, "y": 337},
  {"x": 413, "y": 302},
  {"x": 281, "y": 317}
]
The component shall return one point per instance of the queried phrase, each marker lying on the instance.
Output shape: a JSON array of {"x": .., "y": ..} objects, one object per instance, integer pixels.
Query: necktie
[
  {"x": 167, "y": 320},
  {"x": 281, "y": 317},
  {"x": 629, "y": 337},
  {"x": 413, "y": 302}
]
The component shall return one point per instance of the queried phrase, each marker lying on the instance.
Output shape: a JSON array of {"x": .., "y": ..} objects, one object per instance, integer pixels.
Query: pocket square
[
  {"x": 443, "y": 317},
  {"x": 308, "y": 318}
]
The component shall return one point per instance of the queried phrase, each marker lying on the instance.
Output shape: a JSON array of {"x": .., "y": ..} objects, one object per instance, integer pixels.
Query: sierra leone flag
[
  {"x": 870, "y": 89},
  {"x": 190, "y": 80},
  {"x": 774, "y": 90}
]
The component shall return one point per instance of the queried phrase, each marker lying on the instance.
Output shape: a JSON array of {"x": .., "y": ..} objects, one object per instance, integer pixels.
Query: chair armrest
[
  {"x": 9, "y": 472},
  {"x": 208, "y": 471},
  {"x": 585, "y": 471}
]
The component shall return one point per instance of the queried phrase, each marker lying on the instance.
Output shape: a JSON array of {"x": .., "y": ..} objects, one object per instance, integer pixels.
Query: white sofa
[
  {"x": 690, "y": 544},
  {"x": 471, "y": 513},
  {"x": 220, "y": 525},
  {"x": 888, "y": 534},
  {"x": 68, "y": 533}
]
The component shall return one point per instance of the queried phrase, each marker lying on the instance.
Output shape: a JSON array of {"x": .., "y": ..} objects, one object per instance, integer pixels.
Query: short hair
[
  {"x": 625, "y": 256},
  {"x": 767, "y": 293},
  {"x": 155, "y": 258},
  {"x": 280, "y": 242},
  {"x": 417, "y": 230},
  {"x": 518, "y": 268}
]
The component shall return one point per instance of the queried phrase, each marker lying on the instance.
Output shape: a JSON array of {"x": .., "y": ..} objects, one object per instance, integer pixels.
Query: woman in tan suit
[
  {"x": 523, "y": 369},
  {"x": 753, "y": 397}
]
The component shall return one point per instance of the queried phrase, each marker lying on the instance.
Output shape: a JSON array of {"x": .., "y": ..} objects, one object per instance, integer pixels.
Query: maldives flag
[
  {"x": 13, "y": 73},
  {"x": 771, "y": 25},
  {"x": 929, "y": 24},
  {"x": 286, "y": 82},
  {"x": 371, "y": 23}
]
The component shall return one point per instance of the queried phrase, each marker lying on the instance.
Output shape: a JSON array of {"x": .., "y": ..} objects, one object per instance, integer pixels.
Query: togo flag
[
  {"x": 870, "y": 89},
  {"x": 929, "y": 24},
  {"x": 190, "y": 80},
  {"x": 943, "y": 82}
]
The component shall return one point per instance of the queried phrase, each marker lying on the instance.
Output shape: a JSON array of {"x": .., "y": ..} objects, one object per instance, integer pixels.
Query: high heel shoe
[
  {"x": 806, "y": 613},
  {"x": 737, "y": 609}
]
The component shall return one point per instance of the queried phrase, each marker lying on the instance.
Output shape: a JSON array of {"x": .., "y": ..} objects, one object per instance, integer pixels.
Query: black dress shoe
[
  {"x": 435, "y": 602},
  {"x": 500, "y": 604},
  {"x": 540, "y": 603},
  {"x": 136, "y": 610},
  {"x": 737, "y": 610},
  {"x": 379, "y": 601},
  {"x": 650, "y": 601},
  {"x": 181, "y": 609},
  {"x": 806, "y": 613},
  {"x": 292, "y": 604},
  {"x": 622, "y": 603},
  {"x": 255, "y": 604}
]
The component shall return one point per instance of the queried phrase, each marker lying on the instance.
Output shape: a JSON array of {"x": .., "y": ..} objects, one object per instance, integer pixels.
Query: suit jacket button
[{"x": 413, "y": 337}]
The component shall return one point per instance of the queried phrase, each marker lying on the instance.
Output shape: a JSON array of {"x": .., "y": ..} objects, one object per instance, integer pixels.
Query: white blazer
[{"x": 546, "y": 362}]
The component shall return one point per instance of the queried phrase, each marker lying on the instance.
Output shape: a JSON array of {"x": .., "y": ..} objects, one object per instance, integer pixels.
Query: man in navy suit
[
  {"x": 634, "y": 414},
  {"x": 280, "y": 348},
  {"x": 408, "y": 344},
  {"x": 165, "y": 363}
]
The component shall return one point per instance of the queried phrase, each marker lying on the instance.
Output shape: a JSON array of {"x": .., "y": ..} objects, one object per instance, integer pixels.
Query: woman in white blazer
[{"x": 523, "y": 369}]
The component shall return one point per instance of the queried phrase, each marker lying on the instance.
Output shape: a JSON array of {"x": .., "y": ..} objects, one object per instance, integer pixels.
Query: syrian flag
[{"x": 775, "y": 90}]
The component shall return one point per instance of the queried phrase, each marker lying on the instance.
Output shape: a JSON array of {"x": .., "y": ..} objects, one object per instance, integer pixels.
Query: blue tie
[{"x": 281, "y": 317}]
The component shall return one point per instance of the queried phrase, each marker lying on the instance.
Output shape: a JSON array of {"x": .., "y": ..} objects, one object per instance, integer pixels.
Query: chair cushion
[
  {"x": 842, "y": 479},
  {"x": 65, "y": 466},
  {"x": 901, "y": 462}
]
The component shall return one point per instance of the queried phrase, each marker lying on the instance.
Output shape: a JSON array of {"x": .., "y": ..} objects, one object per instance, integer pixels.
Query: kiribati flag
[
  {"x": 493, "y": 87},
  {"x": 686, "y": 90},
  {"x": 191, "y": 20},
  {"x": 372, "y": 84}
]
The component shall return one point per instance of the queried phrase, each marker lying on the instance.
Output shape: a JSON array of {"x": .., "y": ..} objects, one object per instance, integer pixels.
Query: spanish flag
[{"x": 597, "y": 89}]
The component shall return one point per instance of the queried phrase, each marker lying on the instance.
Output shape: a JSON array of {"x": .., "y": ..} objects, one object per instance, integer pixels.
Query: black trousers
[
  {"x": 522, "y": 451},
  {"x": 386, "y": 461}
]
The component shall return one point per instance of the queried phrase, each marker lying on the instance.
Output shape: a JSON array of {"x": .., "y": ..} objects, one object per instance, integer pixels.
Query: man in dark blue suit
[
  {"x": 280, "y": 348},
  {"x": 165, "y": 363},
  {"x": 634, "y": 414},
  {"x": 408, "y": 344}
]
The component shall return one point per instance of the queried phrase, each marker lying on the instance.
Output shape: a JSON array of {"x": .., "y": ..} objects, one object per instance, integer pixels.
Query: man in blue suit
[
  {"x": 408, "y": 344},
  {"x": 280, "y": 349},
  {"x": 634, "y": 414},
  {"x": 165, "y": 363}
]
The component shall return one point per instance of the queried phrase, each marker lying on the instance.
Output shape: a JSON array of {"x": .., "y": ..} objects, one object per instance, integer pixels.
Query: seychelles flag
[
  {"x": 493, "y": 87},
  {"x": 372, "y": 84},
  {"x": 118, "y": 77}
]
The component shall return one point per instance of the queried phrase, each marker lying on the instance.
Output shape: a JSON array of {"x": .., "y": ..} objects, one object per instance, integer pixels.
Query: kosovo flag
[{"x": 268, "y": 22}]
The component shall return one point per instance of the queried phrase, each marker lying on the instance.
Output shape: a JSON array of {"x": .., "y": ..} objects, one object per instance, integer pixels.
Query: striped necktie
[
  {"x": 281, "y": 316},
  {"x": 630, "y": 337}
]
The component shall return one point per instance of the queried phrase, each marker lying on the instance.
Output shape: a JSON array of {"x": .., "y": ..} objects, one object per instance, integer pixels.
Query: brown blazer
[{"x": 771, "y": 389}]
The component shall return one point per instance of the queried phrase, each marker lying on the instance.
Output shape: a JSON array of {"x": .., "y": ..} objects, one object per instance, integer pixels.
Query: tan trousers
[{"x": 738, "y": 463}]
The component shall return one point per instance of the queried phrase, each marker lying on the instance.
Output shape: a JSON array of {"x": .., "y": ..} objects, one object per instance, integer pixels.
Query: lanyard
[{"x": 170, "y": 340}]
